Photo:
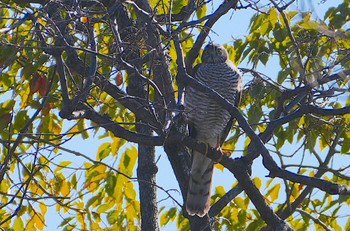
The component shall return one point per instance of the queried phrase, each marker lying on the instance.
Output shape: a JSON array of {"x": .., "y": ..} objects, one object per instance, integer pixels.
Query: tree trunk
[{"x": 147, "y": 169}]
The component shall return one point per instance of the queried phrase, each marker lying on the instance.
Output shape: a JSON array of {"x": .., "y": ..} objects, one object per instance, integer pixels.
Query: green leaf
[
  {"x": 345, "y": 147},
  {"x": 279, "y": 34},
  {"x": 256, "y": 21},
  {"x": 255, "y": 225},
  {"x": 201, "y": 12},
  {"x": 282, "y": 75},
  {"x": 65, "y": 221},
  {"x": 347, "y": 226},
  {"x": 110, "y": 184},
  {"x": 94, "y": 201},
  {"x": 20, "y": 120},
  {"x": 311, "y": 140},
  {"x": 112, "y": 217},
  {"x": 167, "y": 216},
  {"x": 74, "y": 181},
  {"x": 239, "y": 47},
  {"x": 264, "y": 57},
  {"x": 242, "y": 216},
  {"x": 178, "y": 5},
  {"x": 254, "y": 114}
]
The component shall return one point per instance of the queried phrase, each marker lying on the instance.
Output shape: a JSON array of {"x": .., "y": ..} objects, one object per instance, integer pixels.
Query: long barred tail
[{"x": 198, "y": 195}]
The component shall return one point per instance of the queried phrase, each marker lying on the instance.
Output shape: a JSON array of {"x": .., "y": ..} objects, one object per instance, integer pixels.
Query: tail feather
[{"x": 198, "y": 195}]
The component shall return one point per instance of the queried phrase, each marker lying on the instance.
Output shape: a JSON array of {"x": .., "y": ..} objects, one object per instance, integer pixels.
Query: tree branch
[
  {"x": 220, "y": 11},
  {"x": 225, "y": 200}
]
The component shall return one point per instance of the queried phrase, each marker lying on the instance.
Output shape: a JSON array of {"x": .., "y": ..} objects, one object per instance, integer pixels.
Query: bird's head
[{"x": 214, "y": 53}]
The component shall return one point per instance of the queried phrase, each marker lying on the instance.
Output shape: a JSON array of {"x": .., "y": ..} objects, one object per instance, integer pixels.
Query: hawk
[{"x": 208, "y": 121}]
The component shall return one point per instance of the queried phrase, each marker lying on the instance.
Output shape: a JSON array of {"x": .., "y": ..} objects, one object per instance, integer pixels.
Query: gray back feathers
[{"x": 208, "y": 121}]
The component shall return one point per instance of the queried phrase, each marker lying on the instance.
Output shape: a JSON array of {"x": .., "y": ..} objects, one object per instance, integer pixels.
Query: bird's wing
[{"x": 227, "y": 129}]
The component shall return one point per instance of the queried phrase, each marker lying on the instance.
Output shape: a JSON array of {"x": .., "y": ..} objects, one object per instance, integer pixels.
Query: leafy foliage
[{"x": 48, "y": 51}]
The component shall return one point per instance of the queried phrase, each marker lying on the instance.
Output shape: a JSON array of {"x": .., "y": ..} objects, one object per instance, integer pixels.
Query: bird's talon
[{"x": 221, "y": 154}]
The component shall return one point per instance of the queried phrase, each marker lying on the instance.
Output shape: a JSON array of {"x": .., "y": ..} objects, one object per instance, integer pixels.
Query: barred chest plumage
[{"x": 224, "y": 79}]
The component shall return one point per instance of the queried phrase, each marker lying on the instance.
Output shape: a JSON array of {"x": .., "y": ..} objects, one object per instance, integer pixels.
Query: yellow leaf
[
  {"x": 88, "y": 165},
  {"x": 58, "y": 207},
  {"x": 273, "y": 192},
  {"x": 130, "y": 212},
  {"x": 129, "y": 191},
  {"x": 240, "y": 203},
  {"x": 18, "y": 224},
  {"x": 172, "y": 51},
  {"x": 30, "y": 225},
  {"x": 43, "y": 208},
  {"x": 118, "y": 189},
  {"x": 116, "y": 145},
  {"x": 99, "y": 177},
  {"x": 273, "y": 16},
  {"x": 62, "y": 165},
  {"x": 220, "y": 191},
  {"x": 24, "y": 94},
  {"x": 257, "y": 182},
  {"x": 323, "y": 143},
  {"x": 301, "y": 121},
  {"x": 201, "y": 12},
  {"x": 100, "y": 169},
  {"x": 167, "y": 216},
  {"x": 96, "y": 227},
  {"x": 295, "y": 192},
  {"x": 128, "y": 161},
  {"x": 34, "y": 188},
  {"x": 39, "y": 222},
  {"x": 41, "y": 21},
  {"x": 79, "y": 204},
  {"x": 79, "y": 128},
  {"x": 65, "y": 188},
  {"x": 92, "y": 186},
  {"x": 80, "y": 218},
  {"x": 220, "y": 167},
  {"x": 104, "y": 207},
  {"x": 312, "y": 173}
]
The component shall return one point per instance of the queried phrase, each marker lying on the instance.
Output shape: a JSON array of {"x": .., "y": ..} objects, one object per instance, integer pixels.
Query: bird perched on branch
[{"x": 208, "y": 121}]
